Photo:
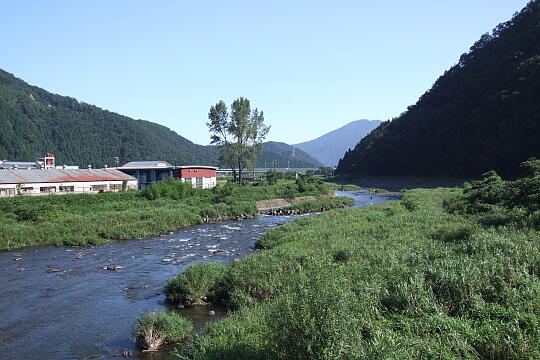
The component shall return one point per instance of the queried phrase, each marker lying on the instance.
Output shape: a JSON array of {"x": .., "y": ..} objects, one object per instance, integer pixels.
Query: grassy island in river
[{"x": 85, "y": 219}]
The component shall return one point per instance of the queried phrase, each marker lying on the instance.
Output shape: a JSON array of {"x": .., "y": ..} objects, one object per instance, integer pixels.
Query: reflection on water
[{"x": 63, "y": 303}]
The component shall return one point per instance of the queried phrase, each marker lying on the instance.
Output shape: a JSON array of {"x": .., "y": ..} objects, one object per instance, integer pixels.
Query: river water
[{"x": 60, "y": 302}]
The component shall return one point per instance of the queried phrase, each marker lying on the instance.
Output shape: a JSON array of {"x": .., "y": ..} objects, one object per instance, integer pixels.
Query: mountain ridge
[
  {"x": 482, "y": 114},
  {"x": 329, "y": 148},
  {"x": 35, "y": 121}
]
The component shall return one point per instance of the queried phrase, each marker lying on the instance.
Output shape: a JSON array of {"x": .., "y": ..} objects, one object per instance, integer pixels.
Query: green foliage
[
  {"x": 169, "y": 188},
  {"x": 456, "y": 232},
  {"x": 238, "y": 135},
  {"x": 500, "y": 202},
  {"x": 84, "y": 219},
  {"x": 34, "y": 121},
  {"x": 322, "y": 204},
  {"x": 273, "y": 177},
  {"x": 346, "y": 187},
  {"x": 382, "y": 282},
  {"x": 482, "y": 114},
  {"x": 155, "y": 329},
  {"x": 284, "y": 155},
  {"x": 195, "y": 285},
  {"x": 314, "y": 320}
]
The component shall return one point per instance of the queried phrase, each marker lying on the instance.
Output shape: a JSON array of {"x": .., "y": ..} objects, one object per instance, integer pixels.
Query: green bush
[
  {"x": 500, "y": 202},
  {"x": 342, "y": 255},
  {"x": 170, "y": 188},
  {"x": 456, "y": 232},
  {"x": 152, "y": 330},
  {"x": 195, "y": 285}
]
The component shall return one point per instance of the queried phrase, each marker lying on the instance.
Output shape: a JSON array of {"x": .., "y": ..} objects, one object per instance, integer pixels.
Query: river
[{"x": 60, "y": 302}]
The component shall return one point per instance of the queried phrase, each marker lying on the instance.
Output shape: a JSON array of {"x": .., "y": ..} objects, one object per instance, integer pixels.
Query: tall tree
[{"x": 238, "y": 134}]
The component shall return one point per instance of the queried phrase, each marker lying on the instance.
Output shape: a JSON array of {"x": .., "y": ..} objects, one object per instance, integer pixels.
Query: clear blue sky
[{"x": 312, "y": 66}]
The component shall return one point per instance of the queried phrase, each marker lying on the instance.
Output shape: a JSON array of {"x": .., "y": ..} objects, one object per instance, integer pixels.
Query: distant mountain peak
[{"x": 330, "y": 147}]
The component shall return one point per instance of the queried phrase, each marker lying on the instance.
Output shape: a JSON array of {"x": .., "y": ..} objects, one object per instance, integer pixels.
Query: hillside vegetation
[
  {"x": 482, "y": 114},
  {"x": 285, "y": 155},
  {"x": 429, "y": 277},
  {"x": 34, "y": 121}
]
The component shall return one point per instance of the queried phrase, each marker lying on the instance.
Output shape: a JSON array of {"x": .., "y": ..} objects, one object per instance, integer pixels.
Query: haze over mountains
[
  {"x": 330, "y": 147},
  {"x": 34, "y": 121},
  {"x": 482, "y": 114}
]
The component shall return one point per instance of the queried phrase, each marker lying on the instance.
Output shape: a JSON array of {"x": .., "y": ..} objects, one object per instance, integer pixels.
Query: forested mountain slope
[
  {"x": 285, "y": 155},
  {"x": 482, "y": 114},
  {"x": 34, "y": 121},
  {"x": 330, "y": 147}
]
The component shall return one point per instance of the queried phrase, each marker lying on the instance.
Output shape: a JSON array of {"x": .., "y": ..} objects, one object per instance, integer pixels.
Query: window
[
  {"x": 66, "y": 189},
  {"x": 98, "y": 188},
  {"x": 47, "y": 189},
  {"x": 164, "y": 175},
  {"x": 27, "y": 189},
  {"x": 115, "y": 187},
  {"x": 147, "y": 176},
  {"x": 199, "y": 182},
  {"x": 7, "y": 192}
]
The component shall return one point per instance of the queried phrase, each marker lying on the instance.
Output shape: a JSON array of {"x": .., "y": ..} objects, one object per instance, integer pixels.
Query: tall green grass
[{"x": 400, "y": 280}]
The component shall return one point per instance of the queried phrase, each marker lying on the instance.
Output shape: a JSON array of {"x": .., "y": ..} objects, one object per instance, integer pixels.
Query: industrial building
[
  {"x": 62, "y": 181},
  {"x": 198, "y": 176},
  {"x": 148, "y": 172},
  {"x": 46, "y": 162}
]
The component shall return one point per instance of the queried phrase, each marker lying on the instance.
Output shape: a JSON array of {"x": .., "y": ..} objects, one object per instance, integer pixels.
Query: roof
[
  {"x": 14, "y": 164},
  {"x": 25, "y": 176},
  {"x": 146, "y": 165},
  {"x": 197, "y": 167}
]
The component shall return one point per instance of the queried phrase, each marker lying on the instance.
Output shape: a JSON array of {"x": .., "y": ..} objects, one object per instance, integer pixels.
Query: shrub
[
  {"x": 170, "y": 188},
  {"x": 155, "y": 329},
  {"x": 455, "y": 233},
  {"x": 195, "y": 285},
  {"x": 342, "y": 255}
]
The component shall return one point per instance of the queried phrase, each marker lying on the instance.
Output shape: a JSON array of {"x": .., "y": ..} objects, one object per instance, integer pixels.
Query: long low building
[{"x": 63, "y": 181}]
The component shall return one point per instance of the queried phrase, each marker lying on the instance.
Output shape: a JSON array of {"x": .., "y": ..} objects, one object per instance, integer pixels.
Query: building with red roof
[{"x": 47, "y": 181}]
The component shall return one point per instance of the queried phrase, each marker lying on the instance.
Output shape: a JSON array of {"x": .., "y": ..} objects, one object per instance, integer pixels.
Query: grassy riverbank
[
  {"x": 167, "y": 206},
  {"x": 430, "y": 276}
]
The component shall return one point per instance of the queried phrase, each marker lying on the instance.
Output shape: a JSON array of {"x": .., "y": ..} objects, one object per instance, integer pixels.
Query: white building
[
  {"x": 63, "y": 181},
  {"x": 199, "y": 176}
]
